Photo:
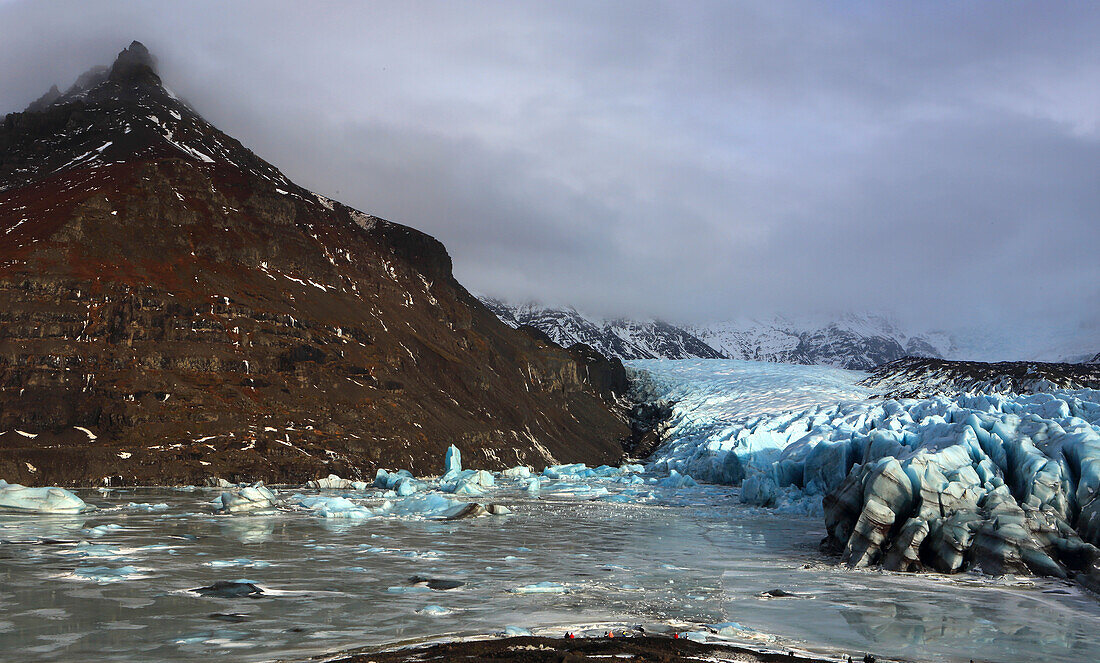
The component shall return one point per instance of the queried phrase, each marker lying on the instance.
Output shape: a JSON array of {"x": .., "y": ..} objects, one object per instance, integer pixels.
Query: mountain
[
  {"x": 855, "y": 342},
  {"x": 914, "y": 377},
  {"x": 851, "y": 341},
  {"x": 621, "y": 339},
  {"x": 172, "y": 307}
]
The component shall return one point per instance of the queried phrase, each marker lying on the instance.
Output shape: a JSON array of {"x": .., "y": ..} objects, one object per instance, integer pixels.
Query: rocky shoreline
[{"x": 532, "y": 649}]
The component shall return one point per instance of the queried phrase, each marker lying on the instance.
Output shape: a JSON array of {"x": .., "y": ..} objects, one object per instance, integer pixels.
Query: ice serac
[
  {"x": 1002, "y": 483},
  {"x": 175, "y": 308},
  {"x": 452, "y": 461}
]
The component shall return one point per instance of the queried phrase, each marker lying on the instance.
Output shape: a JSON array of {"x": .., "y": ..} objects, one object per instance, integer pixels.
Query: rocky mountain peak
[
  {"x": 135, "y": 64},
  {"x": 172, "y": 307}
]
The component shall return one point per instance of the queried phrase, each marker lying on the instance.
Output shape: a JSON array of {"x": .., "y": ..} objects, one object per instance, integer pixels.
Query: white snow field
[{"x": 1001, "y": 483}]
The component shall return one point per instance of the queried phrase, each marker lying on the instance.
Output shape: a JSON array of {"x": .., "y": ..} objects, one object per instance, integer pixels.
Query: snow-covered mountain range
[
  {"x": 623, "y": 339},
  {"x": 856, "y": 342},
  {"x": 852, "y": 341}
]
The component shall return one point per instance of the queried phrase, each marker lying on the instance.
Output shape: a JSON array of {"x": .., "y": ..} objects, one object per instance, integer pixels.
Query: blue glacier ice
[
  {"x": 452, "y": 460},
  {"x": 1003, "y": 483}
]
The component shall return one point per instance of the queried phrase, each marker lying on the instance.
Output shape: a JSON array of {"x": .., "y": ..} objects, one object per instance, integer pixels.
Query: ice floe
[
  {"x": 249, "y": 498},
  {"x": 541, "y": 588},
  {"x": 41, "y": 500}
]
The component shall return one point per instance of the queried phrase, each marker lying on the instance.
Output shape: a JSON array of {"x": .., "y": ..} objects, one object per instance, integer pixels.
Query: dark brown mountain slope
[{"x": 172, "y": 308}]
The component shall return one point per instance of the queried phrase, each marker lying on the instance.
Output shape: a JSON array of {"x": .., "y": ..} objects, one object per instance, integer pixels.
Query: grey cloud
[{"x": 689, "y": 160}]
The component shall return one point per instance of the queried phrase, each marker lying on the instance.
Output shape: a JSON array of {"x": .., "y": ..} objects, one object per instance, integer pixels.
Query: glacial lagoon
[{"x": 114, "y": 584}]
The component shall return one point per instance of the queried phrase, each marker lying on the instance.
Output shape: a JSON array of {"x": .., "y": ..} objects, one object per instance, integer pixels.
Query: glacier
[{"x": 998, "y": 483}]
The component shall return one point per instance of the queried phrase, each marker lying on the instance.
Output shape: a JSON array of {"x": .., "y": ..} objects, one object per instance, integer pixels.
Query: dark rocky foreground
[
  {"x": 559, "y": 650},
  {"x": 173, "y": 308},
  {"x": 919, "y": 377}
]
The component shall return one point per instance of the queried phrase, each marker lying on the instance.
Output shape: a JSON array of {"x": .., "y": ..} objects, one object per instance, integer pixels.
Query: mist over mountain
[{"x": 849, "y": 340}]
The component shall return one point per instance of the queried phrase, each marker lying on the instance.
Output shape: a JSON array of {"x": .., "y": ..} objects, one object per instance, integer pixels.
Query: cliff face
[{"x": 172, "y": 307}]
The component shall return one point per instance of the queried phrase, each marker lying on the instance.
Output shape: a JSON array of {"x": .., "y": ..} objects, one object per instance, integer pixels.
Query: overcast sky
[{"x": 695, "y": 161}]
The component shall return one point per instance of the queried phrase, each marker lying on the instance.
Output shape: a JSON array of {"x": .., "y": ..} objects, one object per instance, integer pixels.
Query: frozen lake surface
[{"x": 689, "y": 555}]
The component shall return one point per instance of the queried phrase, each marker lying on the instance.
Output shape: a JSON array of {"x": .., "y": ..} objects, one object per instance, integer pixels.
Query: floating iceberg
[
  {"x": 431, "y": 506},
  {"x": 104, "y": 574},
  {"x": 334, "y": 482},
  {"x": 516, "y": 473},
  {"x": 676, "y": 480},
  {"x": 249, "y": 498},
  {"x": 387, "y": 480},
  {"x": 573, "y": 490},
  {"x": 162, "y": 506},
  {"x": 338, "y": 507},
  {"x": 467, "y": 482},
  {"x": 40, "y": 500},
  {"x": 541, "y": 588}
]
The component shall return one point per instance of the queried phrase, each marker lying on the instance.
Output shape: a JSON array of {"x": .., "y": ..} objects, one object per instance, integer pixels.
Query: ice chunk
[
  {"x": 574, "y": 490},
  {"x": 334, "y": 482},
  {"x": 541, "y": 588},
  {"x": 337, "y": 507},
  {"x": 240, "y": 561},
  {"x": 452, "y": 461},
  {"x": 515, "y": 631},
  {"x": 101, "y": 530},
  {"x": 406, "y": 486},
  {"x": 104, "y": 574},
  {"x": 558, "y": 472},
  {"x": 467, "y": 482},
  {"x": 434, "y": 611},
  {"x": 407, "y": 589},
  {"x": 516, "y": 473},
  {"x": 148, "y": 507},
  {"x": 676, "y": 480},
  {"x": 389, "y": 480},
  {"x": 42, "y": 500},
  {"x": 249, "y": 498}
]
